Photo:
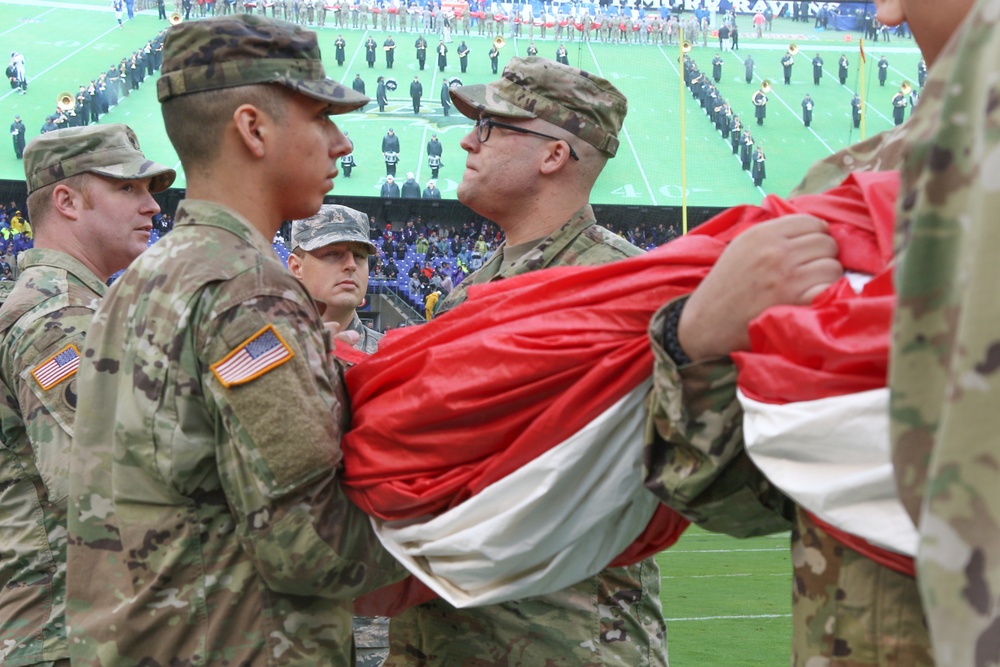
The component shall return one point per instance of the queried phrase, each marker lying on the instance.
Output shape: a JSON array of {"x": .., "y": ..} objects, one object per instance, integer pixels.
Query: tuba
[
  {"x": 175, "y": 18},
  {"x": 765, "y": 87},
  {"x": 499, "y": 43},
  {"x": 906, "y": 88},
  {"x": 793, "y": 49},
  {"x": 65, "y": 102},
  {"x": 686, "y": 46}
]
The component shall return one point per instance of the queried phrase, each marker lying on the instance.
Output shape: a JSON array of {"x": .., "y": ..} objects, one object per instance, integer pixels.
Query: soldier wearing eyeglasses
[{"x": 542, "y": 136}]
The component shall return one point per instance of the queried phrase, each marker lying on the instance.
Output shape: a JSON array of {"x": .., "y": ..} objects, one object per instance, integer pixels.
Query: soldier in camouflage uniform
[
  {"x": 847, "y": 609},
  {"x": 544, "y": 133},
  {"x": 206, "y": 527},
  {"x": 330, "y": 256},
  {"x": 89, "y": 197},
  {"x": 944, "y": 379}
]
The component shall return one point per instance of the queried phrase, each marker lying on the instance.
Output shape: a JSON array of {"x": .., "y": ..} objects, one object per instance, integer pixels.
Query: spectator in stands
[
  {"x": 388, "y": 244},
  {"x": 390, "y": 270},
  {"x": 409, "y": 233},
  {"x": 430, "y": 301},
  {"x": 422, "y": 244}
]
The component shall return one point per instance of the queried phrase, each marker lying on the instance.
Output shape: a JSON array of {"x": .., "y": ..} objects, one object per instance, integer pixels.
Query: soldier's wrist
[{"x": 670, "y": 339}]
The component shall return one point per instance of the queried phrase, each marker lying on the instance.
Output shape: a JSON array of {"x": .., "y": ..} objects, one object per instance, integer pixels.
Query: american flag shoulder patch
[
  {"x": 58, "y": 367},
  {"x": 258, "y": 354}
]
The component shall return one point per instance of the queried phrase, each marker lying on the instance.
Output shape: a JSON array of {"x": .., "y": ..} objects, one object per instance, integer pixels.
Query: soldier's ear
[
  {"x": 250, "y": 124},
  {"x": 69, "y": 201}
]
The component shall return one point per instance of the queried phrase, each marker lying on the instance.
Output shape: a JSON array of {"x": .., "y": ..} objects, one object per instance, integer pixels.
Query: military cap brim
[{"x": 473, "y": 101}]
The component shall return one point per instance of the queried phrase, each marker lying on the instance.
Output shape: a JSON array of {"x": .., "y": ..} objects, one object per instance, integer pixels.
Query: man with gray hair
[
  {"x": 90, "y": 199},
  {"x": 330, "y": 256},
  {"x": 543, "y": 134}
]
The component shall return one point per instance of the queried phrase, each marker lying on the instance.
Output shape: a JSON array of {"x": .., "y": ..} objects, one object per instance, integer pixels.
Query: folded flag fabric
[
  {"x": 815, "y": 401},
  {"x": 462, "y": 426}
]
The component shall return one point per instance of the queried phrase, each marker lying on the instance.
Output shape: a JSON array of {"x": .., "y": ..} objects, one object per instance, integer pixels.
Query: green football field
[
  {"x": 69, "y": 42},
  {"x": 727, "y": 602}
]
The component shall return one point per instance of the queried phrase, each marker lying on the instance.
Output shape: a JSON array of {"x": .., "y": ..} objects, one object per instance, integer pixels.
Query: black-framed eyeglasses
[{"x": 485, "y": 125}]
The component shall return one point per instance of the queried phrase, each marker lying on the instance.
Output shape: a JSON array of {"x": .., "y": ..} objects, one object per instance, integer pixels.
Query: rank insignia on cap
[
  {"x": 58, "y": 367},
  {"x": 262, "y": 352}
]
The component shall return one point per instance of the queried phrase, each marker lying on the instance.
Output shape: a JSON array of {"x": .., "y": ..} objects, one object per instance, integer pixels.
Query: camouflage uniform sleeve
[
  {"x": 48, "y": 409},
  {"x": 695, "y": 461},
  {"x": 945, "y": 364},
  {"x": 279, "y": 474}
]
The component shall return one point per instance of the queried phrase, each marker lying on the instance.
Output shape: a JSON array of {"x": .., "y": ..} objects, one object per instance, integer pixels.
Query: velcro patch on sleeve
[
  {"x": 262, "y": 352},
  {"x": 58, "y": 367}
]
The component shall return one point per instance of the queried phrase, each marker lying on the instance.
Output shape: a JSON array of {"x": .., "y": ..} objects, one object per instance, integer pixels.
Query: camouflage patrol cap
[
  {"x": 577, "y": 101},
  {"x": 108, "y": 150},
  {"x": 333, "y": 224},
  {"x": 243, "y": 49}
]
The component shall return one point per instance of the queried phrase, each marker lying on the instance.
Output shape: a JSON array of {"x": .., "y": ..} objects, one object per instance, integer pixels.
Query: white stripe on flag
[
  {"x": 832, "y": 457},
  {"x": 556, "y": 521}
]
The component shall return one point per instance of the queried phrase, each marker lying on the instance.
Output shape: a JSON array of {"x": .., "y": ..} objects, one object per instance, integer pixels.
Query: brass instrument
[
  {"x": 766, "y": 87},
  {"x": 454, "y": 82},
  {"x": 175, "y": 18},
  {"x": 65, "y": 102},
  {"x": 686, "y": 46},
  {"x": 793, "y": 49},
  {"x": 499, "y": 43},
  {"x": 906, "y": 88}
]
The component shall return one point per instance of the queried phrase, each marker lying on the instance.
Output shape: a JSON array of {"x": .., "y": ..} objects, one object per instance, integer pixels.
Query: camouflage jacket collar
[
  {"x": 201, "y": 212},
  {"x": 60, "y": 260},
  {"x": 542, "y": 255},
  {"x": 368, "y": 338}
]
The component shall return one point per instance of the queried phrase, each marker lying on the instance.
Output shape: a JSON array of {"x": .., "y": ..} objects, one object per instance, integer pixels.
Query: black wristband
[{"x": 671, "y": 344}]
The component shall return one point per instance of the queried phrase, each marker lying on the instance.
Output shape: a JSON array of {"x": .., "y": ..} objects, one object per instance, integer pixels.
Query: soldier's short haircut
[
  {"x": 196, "y": 122},
  {"x": 40, "y": 201}
]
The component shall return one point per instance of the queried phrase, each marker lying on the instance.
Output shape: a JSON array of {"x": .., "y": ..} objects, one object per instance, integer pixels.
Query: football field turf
[
  {"x": 69, "y": 42},
  {"x": 727, "y": 602}
]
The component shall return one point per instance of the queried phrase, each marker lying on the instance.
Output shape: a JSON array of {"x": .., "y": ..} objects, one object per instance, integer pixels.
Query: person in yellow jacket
[
  {"x": 16, "y": 222},
  {"x": 429, "y": 302}
]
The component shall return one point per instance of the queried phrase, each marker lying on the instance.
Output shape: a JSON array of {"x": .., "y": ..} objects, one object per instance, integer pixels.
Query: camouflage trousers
[
  {"x": 614, "y": 618},
  {"x": 849, "y": 611},
  {"x": 371, "y": 640}
]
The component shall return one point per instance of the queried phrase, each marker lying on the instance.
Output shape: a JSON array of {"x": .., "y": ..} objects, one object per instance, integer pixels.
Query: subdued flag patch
[
  {"x": 262, "y": 352},
  {"x": 58, "y": 367}
]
